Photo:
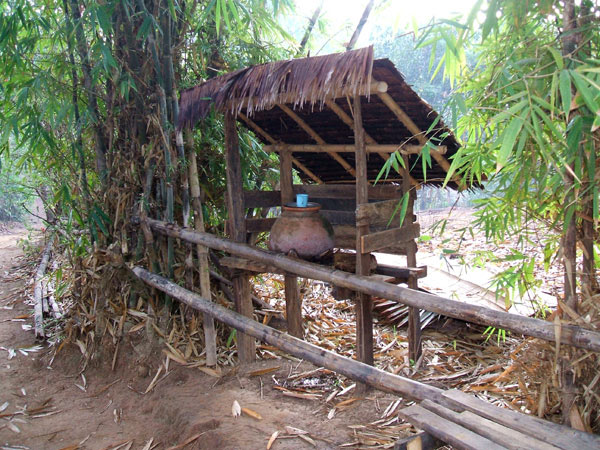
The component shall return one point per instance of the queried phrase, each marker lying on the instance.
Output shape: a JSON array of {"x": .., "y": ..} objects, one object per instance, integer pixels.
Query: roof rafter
[
  {"x": 416, "y": 131},
  {"x": 313, "y": 134},
  {"x": 368, "y": 138},
  {"x": 270, "y": 138}
]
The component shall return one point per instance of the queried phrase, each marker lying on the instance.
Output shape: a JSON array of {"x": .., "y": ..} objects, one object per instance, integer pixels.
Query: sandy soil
[{"x": 42, "y": 406}]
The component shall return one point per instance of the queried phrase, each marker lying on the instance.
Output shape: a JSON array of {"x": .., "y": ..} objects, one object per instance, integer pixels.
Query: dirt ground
[{"x": 50, "y": 403}]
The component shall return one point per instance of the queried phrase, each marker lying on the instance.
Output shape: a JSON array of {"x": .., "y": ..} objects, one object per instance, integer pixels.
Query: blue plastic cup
[{"x": 302, "y": 200}]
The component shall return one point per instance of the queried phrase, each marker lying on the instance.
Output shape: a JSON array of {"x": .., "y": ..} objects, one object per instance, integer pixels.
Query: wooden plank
[
  {"x": 378, "y": 213},
  {"x": 401, "y": 272},
  {"x": 339, "y": 217},
  {"x": 570, "y": 334},
  {"x": 261, "y": 199},
  {"x": 266, "y": 199},
  {"x": 259, "y": 225},
  {"x": 293, "y": 306},
  {"x": 382, "y": 239},
  {"x": 552, "y": 433},
  {"x": 235, "y": 206},
  {"x": 447, "y": 431},
  {"x": 500, "y": 434},
  {"x": 379, "y": 192},
  {"x": 419, "y": 441}
]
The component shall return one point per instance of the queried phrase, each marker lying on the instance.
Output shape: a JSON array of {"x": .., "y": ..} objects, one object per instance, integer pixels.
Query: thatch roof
[
  {"x": 256, "y": 88},
  {"x": 307, "y": 102}
]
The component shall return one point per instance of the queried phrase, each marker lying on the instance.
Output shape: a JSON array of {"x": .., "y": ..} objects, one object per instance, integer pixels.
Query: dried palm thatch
[{"x": 307, "y": 80}]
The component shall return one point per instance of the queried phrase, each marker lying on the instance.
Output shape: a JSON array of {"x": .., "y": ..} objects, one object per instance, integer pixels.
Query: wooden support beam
[
  {"x": 237, "y": 230},
  {"x": 270, "y": 138},
  {"x": 415, "y": 130},
  {"x": 293, "y": 301},
  {"x": 293, "y": 306},
  {"x": 364, "y": 302},
  {"x": 414, "y": 315},
  {"x": 382, "y": 149},
  {"x": 302, "y": 124},
  {"x": 286, "y": 177},
  {"x": 568, "y": 335}
]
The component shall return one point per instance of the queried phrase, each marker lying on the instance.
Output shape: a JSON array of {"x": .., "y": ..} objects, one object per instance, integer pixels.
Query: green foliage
[{"x": 530, "y": 115}]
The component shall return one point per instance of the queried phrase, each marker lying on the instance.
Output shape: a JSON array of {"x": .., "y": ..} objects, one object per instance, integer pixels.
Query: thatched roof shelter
[{"x": 304, "y": 105}]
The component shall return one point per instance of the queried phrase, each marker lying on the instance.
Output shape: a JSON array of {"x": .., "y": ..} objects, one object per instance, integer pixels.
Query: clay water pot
[{"x": 303, "y": 230}]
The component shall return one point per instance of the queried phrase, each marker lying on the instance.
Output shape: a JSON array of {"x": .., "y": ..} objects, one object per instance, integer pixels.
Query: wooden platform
[{"x": 469, "y": 423}]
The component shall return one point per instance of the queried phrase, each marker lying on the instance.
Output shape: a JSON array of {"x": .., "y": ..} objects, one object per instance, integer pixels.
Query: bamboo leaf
[
  {"x": 565, "y": 91},
  {"x": 582, "y": 88},
  {"x": 508, "y": 140},
  {"x": 558, "y": 59}
]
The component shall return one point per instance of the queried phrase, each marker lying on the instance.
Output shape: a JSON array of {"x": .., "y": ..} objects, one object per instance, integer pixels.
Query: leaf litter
[{"x": 455, "y": 355}]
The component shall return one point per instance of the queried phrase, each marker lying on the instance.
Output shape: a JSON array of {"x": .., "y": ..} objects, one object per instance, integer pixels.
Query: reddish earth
[{"x": 41, "y": 406}]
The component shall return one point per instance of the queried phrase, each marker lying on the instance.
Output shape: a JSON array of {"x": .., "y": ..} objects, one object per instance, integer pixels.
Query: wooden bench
[{"x": 469, "y": 423}]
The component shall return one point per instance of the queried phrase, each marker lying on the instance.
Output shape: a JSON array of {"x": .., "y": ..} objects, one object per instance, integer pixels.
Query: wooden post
[
  {"x": 293, "y": 302},
  {"x": 414, "y": 315},
  {"x": 237, "y": 231},
  {"x": 364, "y": 303},
  {"x": 210, "y": 336}
]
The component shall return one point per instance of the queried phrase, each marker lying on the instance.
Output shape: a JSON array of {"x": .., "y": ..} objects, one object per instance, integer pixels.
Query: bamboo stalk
[
  {"x": 570, "y": 334},
  {"x": 210, "y": 335}
]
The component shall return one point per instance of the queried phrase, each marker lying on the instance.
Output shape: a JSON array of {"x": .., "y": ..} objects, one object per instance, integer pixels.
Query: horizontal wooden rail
[
  {"x": 404, "y": 149},
  {"x": 353, "y": 369},
  {"x": 569, "y": 334}
]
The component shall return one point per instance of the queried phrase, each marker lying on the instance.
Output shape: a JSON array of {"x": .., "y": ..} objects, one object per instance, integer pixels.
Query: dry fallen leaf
[
  {"x": 272, "y": 439},
  {"x": 236, "y": 409},
  {"x": 252, "y": 414},
  {"x": 264, "y": 371}
]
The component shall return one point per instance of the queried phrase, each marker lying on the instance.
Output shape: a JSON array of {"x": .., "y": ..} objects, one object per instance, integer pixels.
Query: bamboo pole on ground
[
  {"x": 356, "y": 370},
  {"x": 569, "y": 334},
  {"x": 38, "y": 311}
]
